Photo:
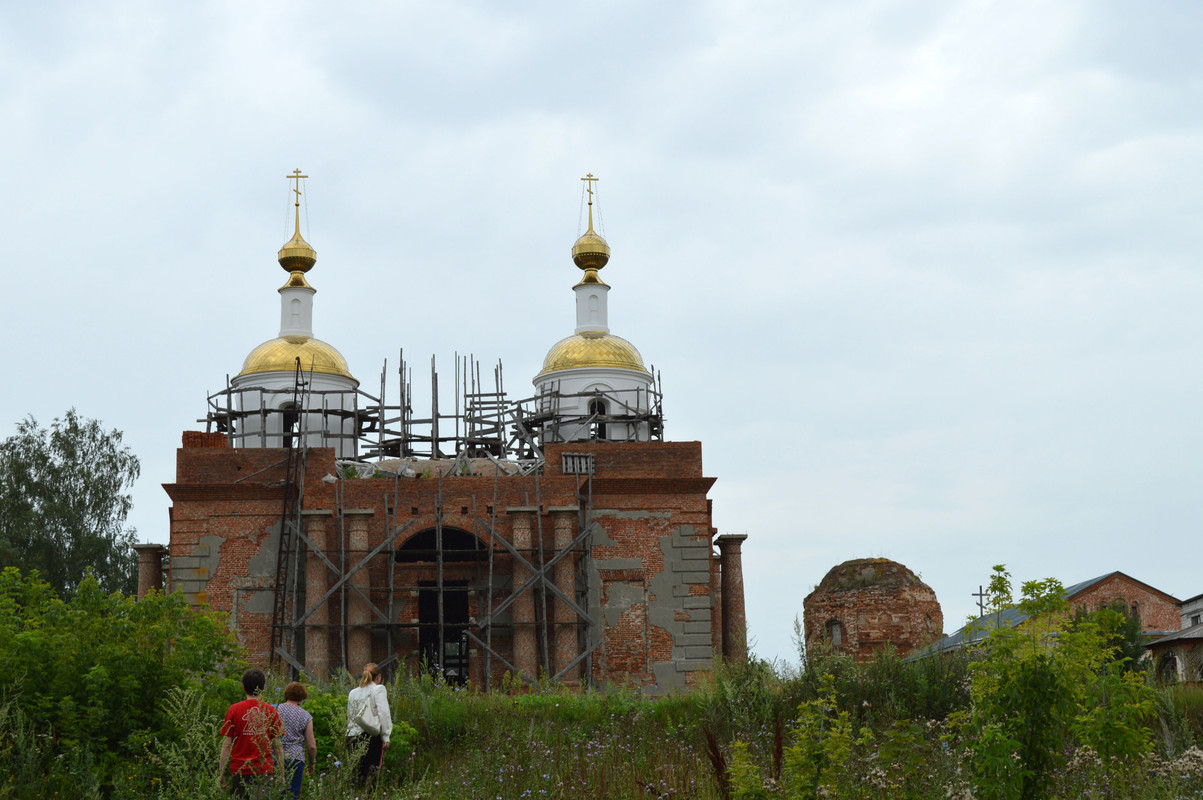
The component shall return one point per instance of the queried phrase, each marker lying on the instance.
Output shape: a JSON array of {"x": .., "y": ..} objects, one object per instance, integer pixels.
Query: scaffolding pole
[{"x": 484, "y": 424}]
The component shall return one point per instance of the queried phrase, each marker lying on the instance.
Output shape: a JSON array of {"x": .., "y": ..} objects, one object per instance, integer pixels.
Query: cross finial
[
  {"x": 296, "y": 188},
  {"x": 980, "y": 594},
  {"x": 296, "y": 176},
  {"x": 589, "y": 181}
]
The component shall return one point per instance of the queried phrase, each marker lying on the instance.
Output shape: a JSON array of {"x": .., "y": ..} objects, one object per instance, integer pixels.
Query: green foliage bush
[
  {"x": 1052, "y": 708},
  {"x": 186, "y": 753},
  {"x": 1052, "y": 682},
  {"x": 1179, "y": 710},
  {"x": 1063, "y": 720},
  {"x": 89, "y": 673}
]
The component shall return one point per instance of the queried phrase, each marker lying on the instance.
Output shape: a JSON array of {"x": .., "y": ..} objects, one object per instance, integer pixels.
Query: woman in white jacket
[{"x": 369, "y": 723}]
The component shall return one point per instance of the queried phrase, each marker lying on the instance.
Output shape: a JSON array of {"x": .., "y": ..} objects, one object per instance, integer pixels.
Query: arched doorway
[{"x": 443, "y": 616}]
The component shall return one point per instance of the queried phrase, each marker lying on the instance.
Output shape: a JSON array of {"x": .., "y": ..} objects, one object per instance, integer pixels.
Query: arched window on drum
[
  {"x": 598, "y": 409},
  {"x": 835, "y": 632}
]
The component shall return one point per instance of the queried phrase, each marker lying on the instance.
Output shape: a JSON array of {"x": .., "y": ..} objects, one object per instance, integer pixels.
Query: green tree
[
  {"x": 1043, "y": 683},
  {"x": 90, "y": 671},
  {"x": 64, "y": 498},
  {"x": 1122, "y": 630},
  {"x": 822, "y": 746}
]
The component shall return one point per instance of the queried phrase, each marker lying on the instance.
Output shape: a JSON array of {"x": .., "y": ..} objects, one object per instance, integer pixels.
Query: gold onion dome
[
  {"x": 591, "y": 250},
  {"x": 296, "y": 255},
  {"x": 280, "y": 355},
  {"x": 593, "y": 349}
]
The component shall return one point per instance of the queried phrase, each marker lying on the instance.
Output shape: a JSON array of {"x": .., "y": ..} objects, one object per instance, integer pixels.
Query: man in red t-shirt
[{"x": 252, "y": 729}]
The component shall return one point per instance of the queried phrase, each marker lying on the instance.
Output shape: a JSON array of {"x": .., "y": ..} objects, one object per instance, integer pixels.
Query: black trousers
[{"x": 369, "y": 765}]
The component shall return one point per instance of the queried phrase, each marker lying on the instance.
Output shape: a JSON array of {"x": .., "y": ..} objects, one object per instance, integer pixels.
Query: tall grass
[{"x": 883, "y": 729}]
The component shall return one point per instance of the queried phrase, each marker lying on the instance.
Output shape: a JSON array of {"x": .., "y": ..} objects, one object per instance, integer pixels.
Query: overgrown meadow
[{"x": 106, "y": 697}]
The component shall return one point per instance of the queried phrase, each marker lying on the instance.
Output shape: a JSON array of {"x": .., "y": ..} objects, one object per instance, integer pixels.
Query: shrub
[{"x": 89, "y": 672}]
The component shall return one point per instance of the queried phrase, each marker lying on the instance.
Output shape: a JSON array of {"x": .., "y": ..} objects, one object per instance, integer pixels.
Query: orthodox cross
[
  {"x": 296, "y": 176},
  {"x": 590, "y": 180},
  {"x": 980, "y": 594}
]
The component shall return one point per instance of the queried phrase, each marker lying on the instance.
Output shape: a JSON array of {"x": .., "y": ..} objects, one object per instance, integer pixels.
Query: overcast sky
[{"x": 922, "y": 277}]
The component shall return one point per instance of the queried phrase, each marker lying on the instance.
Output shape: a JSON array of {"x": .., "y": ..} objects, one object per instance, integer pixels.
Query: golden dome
[
  {"x": 296, "y": 255},
  {"x": 591, "y": 250},
  {"x": 593, "y": 350},
  {"x": 280, "y": 355}
]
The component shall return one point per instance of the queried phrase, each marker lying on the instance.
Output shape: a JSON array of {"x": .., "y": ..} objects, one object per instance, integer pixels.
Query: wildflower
[{"x": 1190, "y": 763}]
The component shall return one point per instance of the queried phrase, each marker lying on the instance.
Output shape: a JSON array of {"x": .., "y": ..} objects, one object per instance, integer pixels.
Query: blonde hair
[{"x": 370, "y": 673}]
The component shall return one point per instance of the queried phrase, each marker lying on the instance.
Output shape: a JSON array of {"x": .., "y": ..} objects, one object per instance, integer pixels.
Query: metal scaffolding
[
  {"x": 484, "y": 426},
  {"x": 294, "y": 478},
  {"x": 483, "y": 423}
]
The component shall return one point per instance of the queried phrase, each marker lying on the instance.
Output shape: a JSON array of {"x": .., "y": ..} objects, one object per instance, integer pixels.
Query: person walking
[
  {"x": 369, "y": 723},
  {"x": 252, "y": 731},
  {"x": 298, "y": 736}
]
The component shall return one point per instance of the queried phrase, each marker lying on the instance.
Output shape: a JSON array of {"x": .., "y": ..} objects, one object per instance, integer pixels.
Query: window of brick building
[
  {"x": 291, "y": 417},
  {"x": 1167, "y": 670},
  {"x": 597, "y": 408},
  {"x": 835, "y": 632}
]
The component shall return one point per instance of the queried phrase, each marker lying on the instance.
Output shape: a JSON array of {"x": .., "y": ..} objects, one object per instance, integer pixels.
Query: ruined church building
[{"x": 557, "y": 536}]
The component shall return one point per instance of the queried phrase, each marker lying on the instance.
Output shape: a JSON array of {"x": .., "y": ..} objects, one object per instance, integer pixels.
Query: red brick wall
[
  {"x": 203, "y": 439},
  {"x": 876, "y": 602},
  {"x": 633, "y": 459},
  {"x": 644, "y": 495},
  {"x": 1158, "y": 611}
]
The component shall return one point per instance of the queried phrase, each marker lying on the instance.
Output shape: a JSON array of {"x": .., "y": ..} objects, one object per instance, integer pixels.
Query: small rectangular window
[{"x": 577, "y": 463}]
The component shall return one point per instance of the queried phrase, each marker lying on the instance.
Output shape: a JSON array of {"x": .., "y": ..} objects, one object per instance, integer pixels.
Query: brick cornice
[
  {"x": 616, "y": 486},
  {"x": 222, "y": 491}
]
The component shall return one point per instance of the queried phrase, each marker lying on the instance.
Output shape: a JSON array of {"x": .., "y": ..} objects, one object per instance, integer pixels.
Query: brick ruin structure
[
  {"x": 558, "y": 536},
  {"x": 865, "y": 604},
  {"x": 1158, "y": 611}
]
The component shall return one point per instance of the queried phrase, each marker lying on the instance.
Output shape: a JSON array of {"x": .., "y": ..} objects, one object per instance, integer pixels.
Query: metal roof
[{"x": 978, "y": 630}]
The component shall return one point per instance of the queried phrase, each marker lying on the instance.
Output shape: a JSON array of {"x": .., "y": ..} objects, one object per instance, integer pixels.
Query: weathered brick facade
[
  {"x": 865, "y": 604},
  {"x": 1158, "y": 610},
  {"x": 645, "y": 574}
]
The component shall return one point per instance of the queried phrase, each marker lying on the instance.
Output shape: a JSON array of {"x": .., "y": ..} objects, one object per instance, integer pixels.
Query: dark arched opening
[
  {"x": 292, "y": 416},
  {"x": 1167, "y": 670},
  {"x": 598, "y": 410},
  {"x": 443, "y": 617},
  {"x": 457, "y": 546}
]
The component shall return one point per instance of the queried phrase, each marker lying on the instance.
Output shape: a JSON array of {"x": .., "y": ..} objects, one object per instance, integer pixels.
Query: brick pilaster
[
  {"x": 150, "y": 567},
  {"x": 526, "y": 657},
  {"x": 317, "y": 581},
  {"x": 359, "y": 616},
  {"x": 566, "y": 646},
  {"x": 735, "y": 621}
]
